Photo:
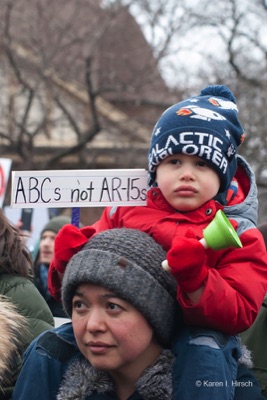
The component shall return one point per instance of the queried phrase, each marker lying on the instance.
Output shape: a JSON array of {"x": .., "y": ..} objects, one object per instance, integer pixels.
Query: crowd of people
[{"x": 138, "y": 331}]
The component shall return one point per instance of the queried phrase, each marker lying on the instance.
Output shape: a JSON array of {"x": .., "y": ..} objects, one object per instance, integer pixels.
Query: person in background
[
  {"x": 255, "y": 337},
  {"x": 194, "y": 171},
  {"x": 16, "y": 284},
  {"x": 13, "y": 328},
  {"x": 43, "y": 258},
  {"x": 124, "y": 314}
]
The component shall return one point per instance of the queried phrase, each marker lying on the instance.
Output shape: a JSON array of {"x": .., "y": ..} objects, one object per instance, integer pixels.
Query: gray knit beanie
[
  {"x": 56, "y": 223},
  {"x": 127, "y": 262}
]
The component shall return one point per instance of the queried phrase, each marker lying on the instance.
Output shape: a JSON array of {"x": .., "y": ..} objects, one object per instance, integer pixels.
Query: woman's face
[
  {"x": 46, "y": 248},
  {"x": 111, "y": 333}
]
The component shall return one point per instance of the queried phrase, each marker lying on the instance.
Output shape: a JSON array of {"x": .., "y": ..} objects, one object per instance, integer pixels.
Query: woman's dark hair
[{"x": 15, "y": 258}]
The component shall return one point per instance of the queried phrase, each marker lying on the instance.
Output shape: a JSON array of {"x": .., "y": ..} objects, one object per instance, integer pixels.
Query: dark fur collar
[{"x": 81, "y": 380}]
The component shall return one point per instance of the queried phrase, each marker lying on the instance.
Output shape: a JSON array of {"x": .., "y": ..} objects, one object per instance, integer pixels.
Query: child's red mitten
[
  {"x": 68, "y": 242},
  {"x": 187, "y": 261}
]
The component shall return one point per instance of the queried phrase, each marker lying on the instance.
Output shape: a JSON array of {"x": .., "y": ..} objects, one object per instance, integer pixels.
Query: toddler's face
[{"x": 186, "y": 182}]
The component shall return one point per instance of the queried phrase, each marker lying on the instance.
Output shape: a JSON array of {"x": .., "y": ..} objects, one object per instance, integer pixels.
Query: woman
[
  {"x": 124, "y": 312},
  {"x": 17, "y": 286}
]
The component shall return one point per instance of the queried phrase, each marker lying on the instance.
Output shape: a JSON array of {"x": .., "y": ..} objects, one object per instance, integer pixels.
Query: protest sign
[
  {"x": 78, "y": 188},
  {"x": 5, "y": 165}
]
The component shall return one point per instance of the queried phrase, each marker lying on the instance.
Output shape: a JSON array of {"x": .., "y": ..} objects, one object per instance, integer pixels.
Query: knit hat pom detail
[{"x": 220, "y": 91}]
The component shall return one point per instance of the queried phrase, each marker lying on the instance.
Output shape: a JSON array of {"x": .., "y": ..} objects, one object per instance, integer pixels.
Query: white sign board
[
  {"x": 78, "y": 188},
  {"x": 5, "y": 165}
]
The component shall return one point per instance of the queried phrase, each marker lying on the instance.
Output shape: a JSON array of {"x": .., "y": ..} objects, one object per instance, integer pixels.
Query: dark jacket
[
  {"x": 55, "y": 354},
  {"x": 40, "y": 281},
  {"x": 255, "y": 339}
]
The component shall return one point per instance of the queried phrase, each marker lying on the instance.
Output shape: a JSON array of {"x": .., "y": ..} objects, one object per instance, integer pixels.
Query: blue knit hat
[{"x": 206, "y": 126}]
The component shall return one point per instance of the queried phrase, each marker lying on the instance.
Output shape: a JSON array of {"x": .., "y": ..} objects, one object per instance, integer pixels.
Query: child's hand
[
  {"x": 186, "y": 259},
  {"x": 68, "y": 242}
]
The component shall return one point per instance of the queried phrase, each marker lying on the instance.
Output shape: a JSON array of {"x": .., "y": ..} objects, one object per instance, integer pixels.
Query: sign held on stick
[{"x": 78, "y": 188}]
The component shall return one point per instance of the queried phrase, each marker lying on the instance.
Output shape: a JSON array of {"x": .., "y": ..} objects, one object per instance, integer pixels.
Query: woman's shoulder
[
  {"x": 51, "y": 352},
  {"x": 22, "y": 292},
  {"x": 16, "y": 285},
  {"x": 58, "y": 343},
  {"x": 10, "y": 283},
  {"x": 10, "y": 279}
]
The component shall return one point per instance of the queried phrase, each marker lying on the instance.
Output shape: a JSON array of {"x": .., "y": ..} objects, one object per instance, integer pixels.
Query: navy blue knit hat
[{"x": 206, "y": 126}]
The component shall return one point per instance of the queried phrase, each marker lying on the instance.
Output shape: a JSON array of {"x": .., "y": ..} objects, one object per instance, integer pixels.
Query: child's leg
[{"x": 205, "y": 366}]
